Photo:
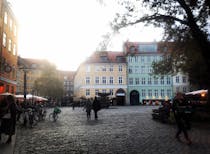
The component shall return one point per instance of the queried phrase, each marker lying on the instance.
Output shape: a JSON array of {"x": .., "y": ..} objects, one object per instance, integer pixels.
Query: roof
[{"x": 106, "y": 57}]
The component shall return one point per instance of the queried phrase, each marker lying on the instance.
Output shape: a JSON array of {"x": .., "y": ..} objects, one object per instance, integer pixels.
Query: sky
[{"x": 66, "y": 32}]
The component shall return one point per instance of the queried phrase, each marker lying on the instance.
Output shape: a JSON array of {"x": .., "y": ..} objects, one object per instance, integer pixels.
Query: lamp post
[{"x": 25, "y": 70}]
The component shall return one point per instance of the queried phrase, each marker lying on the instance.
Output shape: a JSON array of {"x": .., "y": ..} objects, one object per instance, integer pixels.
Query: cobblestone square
[{"x": 119, "y": 130}]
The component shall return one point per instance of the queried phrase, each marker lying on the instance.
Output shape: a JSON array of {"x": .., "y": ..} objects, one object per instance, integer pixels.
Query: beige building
[{"x": 102, "y": 72}]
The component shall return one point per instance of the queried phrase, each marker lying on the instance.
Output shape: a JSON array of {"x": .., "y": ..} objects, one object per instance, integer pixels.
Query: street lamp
[{"x": 25, "y": 70}]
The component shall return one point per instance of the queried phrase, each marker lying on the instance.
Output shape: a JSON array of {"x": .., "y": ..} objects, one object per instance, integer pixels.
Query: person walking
[
  {"x": 96, "y": 107},
  {"x": 8, "y": 122},
  {"x": 178, "y": 107},
  {"x": 88, "y": 107}
]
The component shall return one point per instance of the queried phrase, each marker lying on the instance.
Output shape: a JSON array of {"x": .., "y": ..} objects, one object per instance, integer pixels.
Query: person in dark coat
[
  {"x": 88, "y": 107},
  {"x": 96, "y": 107},
  {"x": 179, "y": 106},
  {"x": 8, "y": 123}
]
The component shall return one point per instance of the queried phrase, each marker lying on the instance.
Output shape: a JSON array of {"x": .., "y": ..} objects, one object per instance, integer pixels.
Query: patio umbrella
[{"x": 5, "y": 94}]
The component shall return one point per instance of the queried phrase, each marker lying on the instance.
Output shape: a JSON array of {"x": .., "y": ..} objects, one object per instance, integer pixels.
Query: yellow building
[{"x": 102, "y": 72}]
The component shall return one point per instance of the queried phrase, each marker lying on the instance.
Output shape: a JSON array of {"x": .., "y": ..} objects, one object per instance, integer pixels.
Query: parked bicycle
[{"x": 54, "y": 115}]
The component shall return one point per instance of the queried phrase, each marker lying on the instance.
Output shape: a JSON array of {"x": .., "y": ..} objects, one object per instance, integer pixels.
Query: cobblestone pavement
[{"x": 119, "y": 130}]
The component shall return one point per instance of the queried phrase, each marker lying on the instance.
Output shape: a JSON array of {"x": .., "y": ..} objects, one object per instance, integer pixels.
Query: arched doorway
[
  {"x": 134, "y": 97},
  {"x": 120, "y": 97}
]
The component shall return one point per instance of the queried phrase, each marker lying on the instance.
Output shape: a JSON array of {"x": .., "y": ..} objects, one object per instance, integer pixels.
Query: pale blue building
[{"x": 142, "y": 86}]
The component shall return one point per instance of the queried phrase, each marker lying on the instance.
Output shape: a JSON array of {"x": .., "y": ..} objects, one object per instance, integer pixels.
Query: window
[
  {"x": 142, "y": 69},
  {"x": 142, "y": 59},
  {"x": 119, "y": 58},
  {"x": 149, "y": 69},
  {"x": 177, "y": 79},
  {"x": 96, "y": 92},
  {"x": 162, "y": 80},
  {"x": 143, "y": 81},
  {"x": 136, "y": 69},
  {"x": 111, "y": 80},
  {"x": 104, "y": 58},
  {"x": 87, "y": 80},
  {"x": 143, "y": 92},
  {"x": 156, "y": 93},
  {"x": 136, "y": 59},
  {"x": 120, "y": 68},
  {"x": 150, "y": 92},
  {"x": 88, "y": 68},
  {"x": 111, "y": 68},
  {"x": 137, "y": 81},
  {"x": 184, "y": 79},
  {"x": 131, "y": 81},
  {"x": 149, "y": 80},
  {"x": 10, "y": 24},
  {"x": 4, "y": 40},
  {"x": 155, "y": 81},
  {"x": 120, "y": 80},
  {"x": 14, "y": 49},
  {"x": 130, "y": 69},
  {"x": 148, "y": 59},
  {"x": 10, "y": 45},
  {"x": 87, "y": 92},
  {"x": 168, "y": 80},
  {"x": 97, "y": 80},
  {"x": 162, "y": 93},
  {"x": 97, "y": 68},
  {"x": 104, "y": 80},
  {"x": 147, "y": 47},
  {"x": 5, "y": 17},
  {"x": 130, "y": 59},
  {"x": 169, "y": 92},
  {"x": 104, "y": 68}
]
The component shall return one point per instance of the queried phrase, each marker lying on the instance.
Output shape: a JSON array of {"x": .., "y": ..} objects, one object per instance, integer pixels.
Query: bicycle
[{"x": 54, "y": 115}]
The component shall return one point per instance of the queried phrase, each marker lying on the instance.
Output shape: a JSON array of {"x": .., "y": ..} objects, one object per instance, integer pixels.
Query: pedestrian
[
  {"x": 88, "y": 107},
  {"x": 179, "y": 107},
  {"x": 19, "y": 110},
  {"x": 96, "y": 107},
  {"x": 8, "y": 122}
]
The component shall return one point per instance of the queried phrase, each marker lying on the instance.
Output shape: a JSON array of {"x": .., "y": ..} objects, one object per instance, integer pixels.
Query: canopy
[
  {"x": 5, "y": 94},
  {"x": 31, "y": 97},
  {"x": 197, "y": 92}
]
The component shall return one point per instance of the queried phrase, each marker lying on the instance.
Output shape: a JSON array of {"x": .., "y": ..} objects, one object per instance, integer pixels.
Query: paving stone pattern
[{"x": 119, "y": 130}]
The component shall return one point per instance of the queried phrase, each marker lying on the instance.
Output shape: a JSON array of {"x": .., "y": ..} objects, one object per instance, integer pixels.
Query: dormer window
[
  {"x": 132, "y": 49},
  {"x": 119, "y": 58},
  {"x": 104, "y": 58}
]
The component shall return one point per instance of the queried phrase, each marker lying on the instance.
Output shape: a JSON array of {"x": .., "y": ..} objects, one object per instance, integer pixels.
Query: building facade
[
  {"x": 67, "y": 77},
  {"x": 181, "y": 83},
  {"x": 8, "y": 48},
  {"x": 142, "y": 86},
  {"x": 102, "y": 72},
  {"x": 30, "y": 69}
]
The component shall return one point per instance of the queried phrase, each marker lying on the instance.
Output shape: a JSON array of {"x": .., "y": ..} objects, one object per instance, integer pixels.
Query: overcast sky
[{"x": 66, "y": 32}]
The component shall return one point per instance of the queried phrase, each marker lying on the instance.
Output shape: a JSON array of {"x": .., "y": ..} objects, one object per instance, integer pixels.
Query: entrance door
[
  {"x": 134, "y": 97},
  {"x": 120, "y": 95}
]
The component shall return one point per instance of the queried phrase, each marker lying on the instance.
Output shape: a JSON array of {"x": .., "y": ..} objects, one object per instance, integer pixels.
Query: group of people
[
  {"x": 8, "y": 110},
  {"x": 95, "y": 105}
]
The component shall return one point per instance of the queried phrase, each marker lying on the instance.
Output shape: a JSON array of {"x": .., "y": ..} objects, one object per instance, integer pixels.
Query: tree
[
  {"x": 48, "y": 84},
  {"x": 185, "y": 23}
]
